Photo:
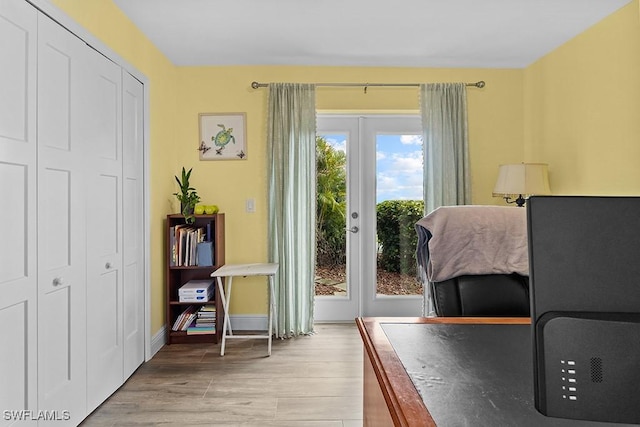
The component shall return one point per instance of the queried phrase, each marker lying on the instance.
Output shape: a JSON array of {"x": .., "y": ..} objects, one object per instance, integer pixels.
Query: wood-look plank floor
[{"x": 313, "y": 381}]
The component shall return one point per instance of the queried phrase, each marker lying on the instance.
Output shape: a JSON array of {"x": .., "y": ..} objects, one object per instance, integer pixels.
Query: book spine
[{"x": 172, "y": 247}]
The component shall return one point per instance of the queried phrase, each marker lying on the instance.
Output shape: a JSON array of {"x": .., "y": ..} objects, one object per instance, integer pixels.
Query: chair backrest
[{"x": 491, "y": 295}]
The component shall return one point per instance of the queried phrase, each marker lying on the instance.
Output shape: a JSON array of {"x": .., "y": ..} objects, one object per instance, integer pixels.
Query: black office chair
[{"x": 491, "y": 295}]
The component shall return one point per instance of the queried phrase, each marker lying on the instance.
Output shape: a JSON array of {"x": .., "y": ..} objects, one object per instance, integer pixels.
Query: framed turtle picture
[{"x": 223, "y": 136}]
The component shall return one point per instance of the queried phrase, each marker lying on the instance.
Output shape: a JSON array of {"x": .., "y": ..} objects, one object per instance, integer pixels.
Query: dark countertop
[{"x": 473, "y": 374}]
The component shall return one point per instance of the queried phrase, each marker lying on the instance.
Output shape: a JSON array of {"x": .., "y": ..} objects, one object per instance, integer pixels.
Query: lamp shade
[{"x": 522, "y": 179}]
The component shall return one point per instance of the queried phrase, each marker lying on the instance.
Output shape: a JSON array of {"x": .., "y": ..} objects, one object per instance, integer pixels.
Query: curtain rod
[{"x": 479, "y": 84}]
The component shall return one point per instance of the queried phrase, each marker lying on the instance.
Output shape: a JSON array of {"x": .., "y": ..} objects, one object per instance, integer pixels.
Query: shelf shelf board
[
  {"x": 193, "y": 267},
  {"x": 211, "y": 302},
  {"x": 181, "y": 337}
]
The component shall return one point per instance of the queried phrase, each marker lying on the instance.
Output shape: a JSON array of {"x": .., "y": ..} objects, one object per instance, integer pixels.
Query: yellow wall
[
  {"x": 582, "y": 109},
  {"x": 495, "y": 131},
  {"x": 576, "y": 109}
]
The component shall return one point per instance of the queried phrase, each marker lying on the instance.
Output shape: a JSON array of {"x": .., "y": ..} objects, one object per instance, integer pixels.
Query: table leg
[
  {"x": 228, "y": 282},
  {"x": 271, "y": 305},
  {"x": 226, "y": 324},
  {"x": 274, "y": 306}
]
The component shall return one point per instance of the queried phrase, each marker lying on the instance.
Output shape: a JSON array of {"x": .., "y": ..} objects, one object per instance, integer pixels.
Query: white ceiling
[{"x": 402, "y": 33}]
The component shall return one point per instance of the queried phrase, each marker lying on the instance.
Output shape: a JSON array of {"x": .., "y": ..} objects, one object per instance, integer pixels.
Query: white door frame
[
  {"x": 63, "y": 19},
  {"x": 361, "y": 198}
]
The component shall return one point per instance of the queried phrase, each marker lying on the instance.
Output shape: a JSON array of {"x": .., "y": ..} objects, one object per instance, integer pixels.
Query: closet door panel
[
  {"x": 104, "y": 205},
  {"x": 55, "y": 59},
  {"x": 15, "y": 392},
  {"x": 133, "y": 250},
  {"x": 56, "y": 341},
  {"x": 17, "y": 73},
  {"x": 56, "y": 246},
  {"x": 18, "y": 269},
  {"x": 104, "y": 242},
  {"x": 107, "y": 141},
  {"x": 62, "y": 80},
  {"x": 15, "y": 187}
]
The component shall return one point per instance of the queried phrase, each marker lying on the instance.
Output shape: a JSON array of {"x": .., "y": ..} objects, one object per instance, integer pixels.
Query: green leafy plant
[
  {"x": 187, "y": 196},
  {"x": 331, "y": 204},
  {"x": 397, "y": 235}
]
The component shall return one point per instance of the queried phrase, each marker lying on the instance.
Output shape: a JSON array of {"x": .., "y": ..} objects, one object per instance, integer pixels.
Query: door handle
[{"x": 353, "y": 229}]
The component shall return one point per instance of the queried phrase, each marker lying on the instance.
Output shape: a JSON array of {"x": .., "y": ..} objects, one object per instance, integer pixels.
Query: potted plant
[{"x": 187, "y": 196}]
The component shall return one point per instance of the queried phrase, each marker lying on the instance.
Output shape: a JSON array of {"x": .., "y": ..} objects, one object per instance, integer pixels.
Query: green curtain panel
[
  {"x": 291, "y": 143},
  {"x": 443, "y": 108}
]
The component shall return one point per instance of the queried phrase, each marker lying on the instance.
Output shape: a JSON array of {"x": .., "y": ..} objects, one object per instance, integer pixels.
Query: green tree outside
[
  {"x": 395, "y": 219},
  {"x": 331, "y": 189},
  {"x": 397, "y": 235}
]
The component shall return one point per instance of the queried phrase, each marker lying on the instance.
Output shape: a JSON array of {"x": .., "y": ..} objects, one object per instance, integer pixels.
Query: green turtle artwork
[{"x": 222, "y": 138}]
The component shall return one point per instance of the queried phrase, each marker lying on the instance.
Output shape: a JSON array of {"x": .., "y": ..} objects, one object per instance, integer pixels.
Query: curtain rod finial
[
  {"x": 255, "y": 85},
  {"x": 480, "y": 84}
]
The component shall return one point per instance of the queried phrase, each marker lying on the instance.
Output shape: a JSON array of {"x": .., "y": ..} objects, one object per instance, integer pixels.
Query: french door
[{"x": 381, "y": 161}]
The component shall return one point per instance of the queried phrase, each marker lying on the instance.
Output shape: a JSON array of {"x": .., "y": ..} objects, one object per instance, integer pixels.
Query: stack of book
[
  {"x": 190, "y": 246},
  {"x": 197, "y": 290},
  {"x": 185, "y": 319},
  {"x": 205, "y": 321}
]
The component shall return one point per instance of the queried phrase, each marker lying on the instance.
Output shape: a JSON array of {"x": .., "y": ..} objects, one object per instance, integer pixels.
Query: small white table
[{"x": 229, "y": 271}]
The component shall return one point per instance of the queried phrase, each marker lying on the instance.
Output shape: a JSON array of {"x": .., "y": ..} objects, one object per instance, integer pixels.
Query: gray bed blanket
[{"x": 472, "y": 239}]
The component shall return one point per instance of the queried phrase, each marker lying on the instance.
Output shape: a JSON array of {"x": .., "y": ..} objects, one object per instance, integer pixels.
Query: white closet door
[
  {"x": 133, "y": 207},
  {"x": 18, "y": 257},
  {"x": 62, "y": 101},
  {"x": 104, "y": 234}
]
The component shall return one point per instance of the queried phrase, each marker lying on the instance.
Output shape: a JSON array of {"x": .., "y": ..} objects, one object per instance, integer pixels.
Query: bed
[{"x": 473, "y": 261}]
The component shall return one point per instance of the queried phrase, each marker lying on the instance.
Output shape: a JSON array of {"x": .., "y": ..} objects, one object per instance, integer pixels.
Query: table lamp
[{"x": 521, "y": 180}]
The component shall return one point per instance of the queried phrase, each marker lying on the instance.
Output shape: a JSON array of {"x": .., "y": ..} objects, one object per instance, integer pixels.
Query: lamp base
[{"x": 520, "y": 201}]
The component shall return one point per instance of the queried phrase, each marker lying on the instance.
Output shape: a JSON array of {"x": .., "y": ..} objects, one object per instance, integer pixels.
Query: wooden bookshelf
[{"x": 178, "y": 275}]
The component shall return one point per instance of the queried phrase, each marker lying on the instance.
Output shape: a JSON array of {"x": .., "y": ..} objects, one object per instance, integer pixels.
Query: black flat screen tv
[{"x": 584, "y": 263}]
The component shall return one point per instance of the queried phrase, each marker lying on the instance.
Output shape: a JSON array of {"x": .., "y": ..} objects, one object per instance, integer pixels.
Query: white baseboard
[
  {"x": 248, "y": 322},
  {"x": 158, "y": 340}
]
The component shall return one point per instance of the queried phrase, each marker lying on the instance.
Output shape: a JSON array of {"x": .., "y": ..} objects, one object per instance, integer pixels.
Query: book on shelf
[
  {"x": 181, "y": 238},
  {"x": 206, "y": 317},
  {"x": 184, "y": 319},
  {"x": 187, "y": 243},
  {"x": 184, "y": 244},
  {"x": 207, "y": 311},
  {"x": 205, "y": 254},
  {"x": 201, "y": 330},
  {"x": 173, "y": 256}
]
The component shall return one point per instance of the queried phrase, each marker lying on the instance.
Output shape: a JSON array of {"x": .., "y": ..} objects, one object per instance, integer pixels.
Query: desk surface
[
  {"x": 457, "y": 374},
  {"x": 228, "y": 270}
]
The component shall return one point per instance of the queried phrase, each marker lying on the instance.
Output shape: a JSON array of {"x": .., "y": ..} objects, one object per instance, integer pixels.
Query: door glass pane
[
  {"x": 399, "y": 205},
  {"x": 331, "y": 190}
]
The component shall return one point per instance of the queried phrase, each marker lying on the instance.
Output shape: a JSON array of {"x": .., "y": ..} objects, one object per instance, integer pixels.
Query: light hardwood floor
[{"x": 307, "y": 381}]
